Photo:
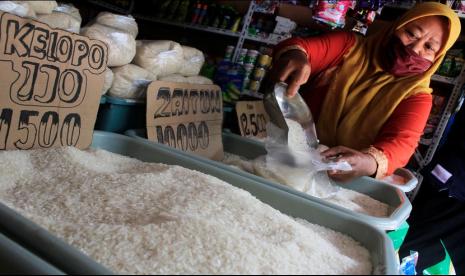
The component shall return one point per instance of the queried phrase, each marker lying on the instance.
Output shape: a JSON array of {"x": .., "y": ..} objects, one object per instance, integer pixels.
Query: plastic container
[
  {"x": 410, "y": 179},
  {"x": 118, "y": 115},
  {"x": 377, "y": 242},
  {"x": 52, "y": 250},
  {"x": 400, "y": 206},
  {"x": 71, "y": 261},
  {"x": 14, "y": 259}
]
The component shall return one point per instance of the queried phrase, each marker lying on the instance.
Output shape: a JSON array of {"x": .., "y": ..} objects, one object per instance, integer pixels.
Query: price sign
[
  {"x": 252, "y": 118},
  {"x": 50, "y": 85},
  {"x": 187, "y": 117}
]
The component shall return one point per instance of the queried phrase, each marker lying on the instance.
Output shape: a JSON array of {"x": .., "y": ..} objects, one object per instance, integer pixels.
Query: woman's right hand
[{"x": 292, "y": 68}]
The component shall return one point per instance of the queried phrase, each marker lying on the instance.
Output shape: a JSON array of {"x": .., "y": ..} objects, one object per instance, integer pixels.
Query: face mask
[{"x": 403, "y": 61}]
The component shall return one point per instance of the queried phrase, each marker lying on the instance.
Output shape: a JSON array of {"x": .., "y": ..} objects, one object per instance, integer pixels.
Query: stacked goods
[
  {"x": 109, "y": 76},
  {"x": 120, "y": 22},
  {"x": 65, "y": 17},
  {"x": 181, "y": 79},
  {"x": 42, "y": 7},
  {"x": 193, "y": 61},
  {"x": 171, "y": 61},
  {"x": 434, "y": 118},
  {"x": 19, "y": 8},
  {"x": 130, "y": 82},
  {"x": 142, "y": 218},
  {"x": 119, "y": 37},
  {"x": 161, "y": 57},
  {"x": 119, "y": 32}
]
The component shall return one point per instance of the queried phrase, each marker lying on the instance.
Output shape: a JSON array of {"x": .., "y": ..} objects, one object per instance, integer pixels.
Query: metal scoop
[{"x": 279, "y": 106}]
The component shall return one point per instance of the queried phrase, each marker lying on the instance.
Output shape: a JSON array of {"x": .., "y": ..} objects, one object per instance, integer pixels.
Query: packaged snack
[{"x": 332, "y": 12}]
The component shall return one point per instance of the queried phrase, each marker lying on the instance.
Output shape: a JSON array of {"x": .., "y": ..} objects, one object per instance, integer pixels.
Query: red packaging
[{"x": 332, "y": 12}]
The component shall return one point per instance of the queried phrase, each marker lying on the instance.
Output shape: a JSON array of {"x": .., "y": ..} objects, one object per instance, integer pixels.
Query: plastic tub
[
  {"x": 61, "y": 254},
  {"x": 49, "y": 248},
  {"x": 14, "y": 259},
  {"x": 376, "y": 241},
  {"x": 396, "y": 199},
  {"x": 410, "y": 179},
  {"x": 118, "y": 115}
]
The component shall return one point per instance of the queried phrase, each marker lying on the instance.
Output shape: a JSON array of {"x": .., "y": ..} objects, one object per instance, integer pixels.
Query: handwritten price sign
[
  {"x": 49, "y": 86},
  {"x": 252, "y": 118}
]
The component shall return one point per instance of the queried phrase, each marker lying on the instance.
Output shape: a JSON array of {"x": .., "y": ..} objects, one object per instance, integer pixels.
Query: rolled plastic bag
[
  {"x": 109, "y": 76},
  {"x": 18, "y": 8},
  {"x": 121, "y": 22},
  {"x": 43, "y": 7},
  {"x": 161, "y": 57},
  {"x": 130, "y": 82},
  {"x": 66, "y": 17},
  {"x": 193, "y": 61},
  {"x": 121, "y": 45}
]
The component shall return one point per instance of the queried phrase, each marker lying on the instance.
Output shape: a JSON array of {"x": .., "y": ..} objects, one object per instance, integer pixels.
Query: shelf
[
  {"x": 188, "y": 25},
  {"x": 461, "y": 14},
  {"x": 250, "y": 94},
  {"x": 442, "y": 79},
  {"x": 407, "y": 6},
  {"x": 400, "y": 5},
  {"x": 261, "y": 39},
  {"x": 113, "y": 7}
]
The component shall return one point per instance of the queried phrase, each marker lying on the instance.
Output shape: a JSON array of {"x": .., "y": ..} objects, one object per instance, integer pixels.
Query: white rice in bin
[
  {"x": 297, "y": 141},
  {"x": 142, "y": 218}
]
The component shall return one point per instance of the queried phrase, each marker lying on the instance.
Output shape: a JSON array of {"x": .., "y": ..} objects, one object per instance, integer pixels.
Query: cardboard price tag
[
  {"x": 252, "y": 118},
  {"x": 187, "y": 117},
  {"x": 50, "y": 85}
]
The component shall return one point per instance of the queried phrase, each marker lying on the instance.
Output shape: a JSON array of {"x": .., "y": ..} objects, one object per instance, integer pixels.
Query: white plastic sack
[
  {"x": 130, "y": 82},
  {"x": 121, "y": 45},
  {"x": 18, "y": 8},
  {"x": 193, "y": 61},
  {"x": 109, "y": 76},
  {"x": 199, "y": 80},
  {"x": 174, "y": 78},
  {"x": 65, "y": 17},
  {"x": 161, "y": 57},
  {"x": 124, "y": 23},
  {"x": 43, "y": 7},
  {"x": 181, "y": 79}
]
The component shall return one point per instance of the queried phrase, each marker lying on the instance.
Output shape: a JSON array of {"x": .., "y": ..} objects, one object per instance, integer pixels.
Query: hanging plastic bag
[
  {"x": 300, "y": 168},
  {"x": 296, "y": 157}
]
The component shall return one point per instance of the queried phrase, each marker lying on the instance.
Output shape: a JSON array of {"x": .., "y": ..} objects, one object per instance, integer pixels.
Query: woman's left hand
[{"x": 363, "y": 164}]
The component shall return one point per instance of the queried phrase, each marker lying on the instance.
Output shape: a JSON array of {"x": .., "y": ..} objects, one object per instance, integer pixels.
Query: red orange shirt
[{"x": 400, "y": 135}]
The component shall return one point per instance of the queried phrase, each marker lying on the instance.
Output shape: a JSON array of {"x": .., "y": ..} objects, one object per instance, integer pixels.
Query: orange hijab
[{"x": 363, "y": 96}]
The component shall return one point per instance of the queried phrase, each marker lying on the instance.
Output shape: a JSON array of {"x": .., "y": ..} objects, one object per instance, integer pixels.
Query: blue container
[{"x": 118, "y": 115}]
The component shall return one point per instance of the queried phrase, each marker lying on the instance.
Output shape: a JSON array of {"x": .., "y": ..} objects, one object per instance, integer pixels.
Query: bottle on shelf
[
  {"x": 196, "y": 13},
  {"x": 203, "y": 14},
  {"x": 173, "y": 7},
  {"x": 183, "y": 10}
]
